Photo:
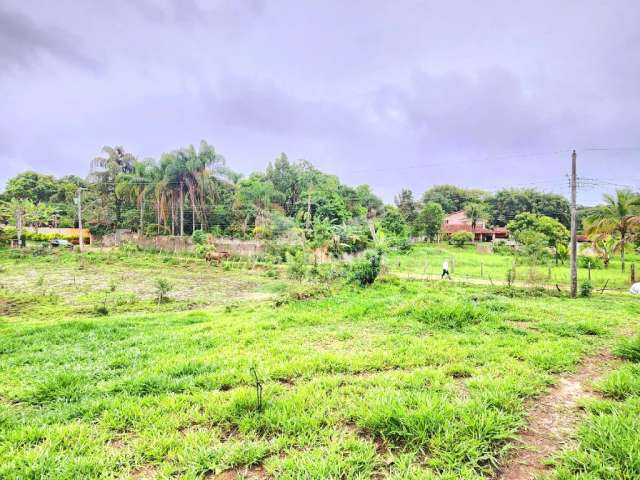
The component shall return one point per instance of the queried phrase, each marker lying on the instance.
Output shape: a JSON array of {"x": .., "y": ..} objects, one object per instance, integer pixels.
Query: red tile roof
[{"x": 461, "y": 227}]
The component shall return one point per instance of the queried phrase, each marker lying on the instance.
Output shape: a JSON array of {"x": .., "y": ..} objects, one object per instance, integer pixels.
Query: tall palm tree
[
  {"x": 475, "y": 212},
  {"x": 202, "y": 167},
  {"x": 620, "y": 215},
  {"x": 175, "y": 172},
  {"x": 136, "y": 185},
  {"x": 105, "y": 170}
]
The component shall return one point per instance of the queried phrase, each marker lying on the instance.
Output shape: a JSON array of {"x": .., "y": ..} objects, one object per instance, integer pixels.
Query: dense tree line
[{"x": 192, "y": 189}]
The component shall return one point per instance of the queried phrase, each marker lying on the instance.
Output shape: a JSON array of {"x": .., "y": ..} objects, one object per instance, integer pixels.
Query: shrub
[
  {"x": 596, "y": 262},
  {"x": 261, "y": 231},
  {"x": 296, "y": 266},
  {"x": 365, "y": 270},
  {"x": 500, "y": 248},
  {"x": 402, "y": 245},
  {"x": 460, "y": 238},
  {"x": 586, "y": 288},
  {"x": 128, "y": 248},
  {"x": 201, "y": 250},
  {"x": 163, "y": 287},
  {"x": 276, "y": 252},
  {"x": 199, "y": 237}
]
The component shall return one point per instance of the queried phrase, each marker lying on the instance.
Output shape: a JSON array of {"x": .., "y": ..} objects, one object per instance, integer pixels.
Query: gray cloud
[
  {"x": 22, "y": 42},
  {"x": 376, "y": 92}
]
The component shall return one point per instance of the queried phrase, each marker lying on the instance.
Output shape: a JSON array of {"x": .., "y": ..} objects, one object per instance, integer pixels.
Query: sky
[{"x": 397, "y": 94}]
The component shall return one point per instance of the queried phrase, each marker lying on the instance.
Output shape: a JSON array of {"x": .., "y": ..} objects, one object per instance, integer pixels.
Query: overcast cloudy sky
[{"x": 391, "y": 93}]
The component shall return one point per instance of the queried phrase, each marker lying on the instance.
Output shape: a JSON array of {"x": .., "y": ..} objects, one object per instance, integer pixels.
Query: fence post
[
  {"x": 633, "y": 273},
  {"x": 589, "y": 269},
  {"x": 481, "y": 269}
]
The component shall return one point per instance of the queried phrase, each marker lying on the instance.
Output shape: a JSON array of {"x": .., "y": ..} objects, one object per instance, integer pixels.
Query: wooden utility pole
[
  {"x": 574, "y": 243},
  {"x": 80, "y": 236},
  {"x": 19, "y": 213}
]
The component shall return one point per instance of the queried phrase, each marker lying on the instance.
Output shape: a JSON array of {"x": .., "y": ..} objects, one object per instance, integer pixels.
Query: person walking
[{"x": 445, "y": 270}]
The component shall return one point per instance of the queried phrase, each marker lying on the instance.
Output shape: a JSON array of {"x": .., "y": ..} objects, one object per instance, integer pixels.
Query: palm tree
[
  {"x": 136, "y": 185},
  {"x": 475, "y": 212},
  {"x": 605, "y": 246},
  {"x": 618, "y": 216},
  {"x": 105, "y": 170},
  {"x": 201, "y": 167},
  {"x": 175, "y": 173}
]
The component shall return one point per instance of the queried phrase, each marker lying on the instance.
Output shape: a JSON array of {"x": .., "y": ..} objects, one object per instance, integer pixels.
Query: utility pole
[
  {"x": 80, "y": 236},
  {"x": 574, "y": 243},
  {"x": 19, "y": 212}
]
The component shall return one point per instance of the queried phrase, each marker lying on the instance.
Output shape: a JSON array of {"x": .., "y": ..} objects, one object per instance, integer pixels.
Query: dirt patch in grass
[
  {"x": 553, "y": 420},
  {"x": 256, "y": 472},
  {"x": 144, "y": 472}
]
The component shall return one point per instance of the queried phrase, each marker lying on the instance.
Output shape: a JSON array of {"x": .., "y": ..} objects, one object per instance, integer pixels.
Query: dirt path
[
  {"x": 553, "y": 420},
  {"x": 486, "y": 281}
]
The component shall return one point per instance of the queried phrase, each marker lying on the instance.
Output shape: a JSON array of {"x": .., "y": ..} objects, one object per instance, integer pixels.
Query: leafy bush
[
  {"x": 629, "y": 349},
  {"x": 262, "y": 231},
  {"x": 199, "y": 237},
  {"x": 586, "y": 289},
  {"x": 534, "y": 245},
  {"x": 402, "y": 245},
  {"x": 500, "y": 248},
  {"x": 276, "y": 252},
  {"x": 201, "y": 250},
  {"x": 365, "y": 270},
  {"x": 596, "y": 262},
  {"x": 163, "y": 287},
  {"x": 460, "y": 238},
  {"x": 129, "y": 247},
  {"x": 296, "y": 265}
]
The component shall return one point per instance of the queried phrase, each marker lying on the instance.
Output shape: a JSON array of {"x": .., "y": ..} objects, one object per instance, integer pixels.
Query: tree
[
  {"x": 32, "y": 186},
  {"x": 430, "y": 220},
  {"x": 255, "y": 196},
  {"x": 554, "y": 232},
  {"x": 406, "y": 205},
  {"x": 475, "y": 212},
  {"x": 452, "y": 198},
  {"x": 620, "y": 215},
  {"x": 199, "y": 168},
  {"x": 605, "y": 247},
  {"x": 105, "y": 171},
  {"x": 535, "y": 244},
  {"x": 506, "y": 204},
  {"x": 136, "y": 185},
  {"x": 551, "y": 228},
  {"x": 393, "y": 221},
  {"x": 290, "y": 180}
]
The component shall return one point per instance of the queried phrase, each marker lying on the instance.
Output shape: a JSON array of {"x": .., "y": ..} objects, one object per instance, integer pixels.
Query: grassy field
[
  {"x": 467, "y": 262},
  {"x": 608, "y": 444},
  {"x": 404, "y": 379}
]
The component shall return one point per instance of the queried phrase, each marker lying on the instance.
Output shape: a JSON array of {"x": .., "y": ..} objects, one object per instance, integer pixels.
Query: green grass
[
  {"x": 404, "y": 379},
  {"x": 608, "y": 444},
  {"x": 467, "y": 262}
]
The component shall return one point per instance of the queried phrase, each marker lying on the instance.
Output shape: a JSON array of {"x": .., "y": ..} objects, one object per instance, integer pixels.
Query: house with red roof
[{"x": 458, "y": 222}]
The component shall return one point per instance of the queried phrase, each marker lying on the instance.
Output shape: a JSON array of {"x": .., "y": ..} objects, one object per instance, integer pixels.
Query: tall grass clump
[
  {"x": 452, "y": 316},
  {"x": 629, "y": 349}
]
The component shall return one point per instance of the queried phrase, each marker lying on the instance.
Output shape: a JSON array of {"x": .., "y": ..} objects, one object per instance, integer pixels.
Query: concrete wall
[{"x": 244, "y": 248}]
